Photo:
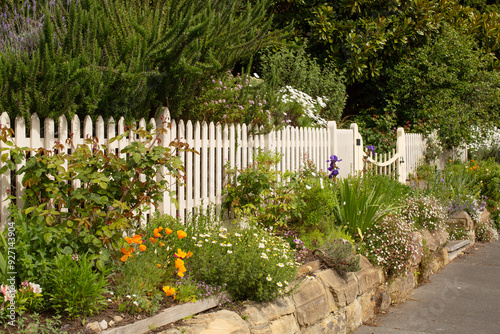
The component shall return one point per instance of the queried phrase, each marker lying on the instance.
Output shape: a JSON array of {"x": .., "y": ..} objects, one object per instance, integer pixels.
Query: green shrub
[
  {"x": 316, "y": 196},
  {"x": 457, "y": 232},
  {"x": 110, "y": 198},
  {"x": 456, "y": 180},
  {"x": 295, "y": 68},
  {"x": 488, "y": 176},
  {"x": 123, "y": 57},
  {"x": 260, "y": 193},
  {"x": 235, "y": 99},
  {"x": 74, "y": 287}
]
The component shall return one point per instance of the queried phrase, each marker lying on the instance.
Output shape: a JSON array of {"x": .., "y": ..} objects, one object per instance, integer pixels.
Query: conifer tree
[{"x": 126, "y": 57}]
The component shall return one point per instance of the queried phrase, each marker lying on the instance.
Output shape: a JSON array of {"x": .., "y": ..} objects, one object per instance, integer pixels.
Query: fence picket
[{"x": 217, "y": 144}]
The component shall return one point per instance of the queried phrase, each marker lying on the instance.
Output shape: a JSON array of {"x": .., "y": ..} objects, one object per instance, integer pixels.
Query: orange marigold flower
[
  {"x": 168, "y": 231},
  {"x": 181, "y": 234},
  {"x": 153, "y": 240},
  {"x": 142, "y": 248},
  {"x": 169, "y": 291},
  {"x": 129, "y": 240},
  {"x": 189, "y": 254}
]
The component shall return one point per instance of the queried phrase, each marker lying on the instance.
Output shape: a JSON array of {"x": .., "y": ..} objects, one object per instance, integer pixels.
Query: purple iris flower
[
  {"x": 371, "y": 148},
  {"x": 334, "y": 158}
]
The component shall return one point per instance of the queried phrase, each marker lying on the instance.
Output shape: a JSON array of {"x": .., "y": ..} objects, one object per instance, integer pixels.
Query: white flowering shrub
[
  {"x": 425, "y": 212},
  {"x": 300, "y": 108},
  {"x": 393, "y": 244},
  {"x": 485, "y": 232},
  {"x": 252, "y": 263},
  {"x": 485, "y": 143}
]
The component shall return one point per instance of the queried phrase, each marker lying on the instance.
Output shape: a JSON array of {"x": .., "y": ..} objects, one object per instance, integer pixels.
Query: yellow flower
[
  {"x": 181, "y": 234},
  {"x": 180, "y": 254},
  {"x": 169, "y": 291},
  {"x": 158, "y": 265}
]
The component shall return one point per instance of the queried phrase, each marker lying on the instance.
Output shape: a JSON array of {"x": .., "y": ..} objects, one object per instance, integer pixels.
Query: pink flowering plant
[
  {"x": 27, "y": 298},
  {"x": 425, "y": 212},
  {"x": 393, "y": 244}
]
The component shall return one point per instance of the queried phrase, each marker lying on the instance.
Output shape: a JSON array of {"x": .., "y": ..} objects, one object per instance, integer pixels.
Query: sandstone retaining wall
[{"x": 324, "y": 303}]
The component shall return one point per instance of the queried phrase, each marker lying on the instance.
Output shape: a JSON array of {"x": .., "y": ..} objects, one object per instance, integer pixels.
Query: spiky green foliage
[
  {"x": 360, "y": 205},
  {"x": 125, "y": 57}
]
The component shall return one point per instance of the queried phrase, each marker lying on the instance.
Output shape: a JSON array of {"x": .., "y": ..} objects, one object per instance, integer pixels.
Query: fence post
[
  {"x": 357, "y": 149},
  {"x": 332, "y": 138},
  {"x": 400, "y": 149},
  {"x": 5, "y": 180}
]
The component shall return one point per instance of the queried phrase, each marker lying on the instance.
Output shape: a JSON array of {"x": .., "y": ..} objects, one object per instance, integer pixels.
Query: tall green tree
[{"x": 448, "y": 86}]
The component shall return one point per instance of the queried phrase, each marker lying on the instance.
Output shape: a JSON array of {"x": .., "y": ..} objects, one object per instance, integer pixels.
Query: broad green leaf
[
  {"x": 100, "y": 265},
  {"x": 47, "y": 237},
  {"x": 136, "y": 157}
]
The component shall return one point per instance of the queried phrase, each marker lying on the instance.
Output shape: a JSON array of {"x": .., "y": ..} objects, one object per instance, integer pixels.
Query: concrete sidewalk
[{"x": 464, "y": 297}]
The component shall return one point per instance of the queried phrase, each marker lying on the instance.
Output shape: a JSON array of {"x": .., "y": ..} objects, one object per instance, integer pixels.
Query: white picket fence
[{"x": 217, "y": 145}]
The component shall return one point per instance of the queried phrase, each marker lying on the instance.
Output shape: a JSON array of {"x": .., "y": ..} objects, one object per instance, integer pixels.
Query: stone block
[
  {"x": 400, "y": 287},
  {"x": 440, "y": 260},
  {"x": 383, "y": 299},
  {"x": 485, "y": 216},
  {"x": 275, "y": 309},
  {"x": 431, "y": 240},
  {"x": 257, "y": 320},
  {"x": 368, "y": 278},
  {"x": 286, "y": 324},
  {"x": 311, "y": 302},
  {"x": 334, "y": 323},
  {"x": 462, "y": 219},
  {"x": 221, "y": 322},
  {"x": 368, "y": 302},
  {"x": 343, "y": 291},
  {"x": 309, "y": 267},
  {"x": 354, "y": 315}
]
